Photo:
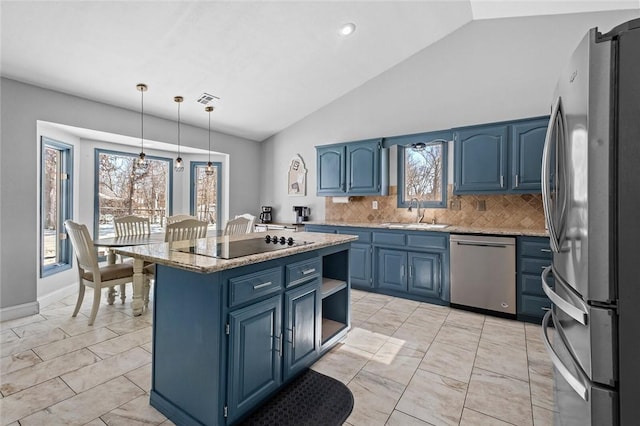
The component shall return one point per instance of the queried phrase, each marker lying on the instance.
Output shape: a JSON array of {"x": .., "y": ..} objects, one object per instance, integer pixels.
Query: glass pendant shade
[{"x": 179, "y": 167}]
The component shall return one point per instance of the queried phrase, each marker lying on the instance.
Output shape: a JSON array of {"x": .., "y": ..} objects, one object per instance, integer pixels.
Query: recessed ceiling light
[{"x": 348, "y": 29}]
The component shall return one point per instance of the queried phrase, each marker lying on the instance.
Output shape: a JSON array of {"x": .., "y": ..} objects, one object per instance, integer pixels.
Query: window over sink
[{"x": 422, "y": 174}]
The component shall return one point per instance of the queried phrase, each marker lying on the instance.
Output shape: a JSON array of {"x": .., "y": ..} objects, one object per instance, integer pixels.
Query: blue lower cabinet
[
  {"x": 533, "y": 254},
  {"x": 392, "y": 265},
  {"x": 360, "y": 266},
  {"x": 255, "y": 348},
  {"x": 302, "y": 327},
  {"x": 424, "y": 274}
]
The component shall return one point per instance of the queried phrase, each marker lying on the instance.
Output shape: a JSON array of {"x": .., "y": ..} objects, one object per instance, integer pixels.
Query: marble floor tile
[
  {"x": 96, "y": 422},
  {"x": 358, "y": 317},
  {"x": 92, "y": 375},
  {"x": 385, "y": 321},
  {"x": 88, "y": 405},
  {"x": 72, "y": 344},
  {"x": 374, "y": 399},
  {"x": 31, "y": 342},
  {"x": 461, "y": 337},
  {"x": 502, "y": 359},
  {"x": 414, "y": 336},
  {"x": 7, "y": 336},
  {"x": 129, "y": 324},
  {"x": 148, "y": 347},
  {"x": 398, "y": 418},
  {"x": 465, "y": 319},
  {"x": 542, "y": 416},
  {"x": 141, "y": 377},
  {"x": 18, "y": 361},
  {"x": 499, "y": 396},
  {"x": 541, "y": 390},
  {"x": 80, "y": 326},
  {"x": 474, "y": 418},
  {"x": 501, "y": 333},
  {"x": 365, "y": 340},
  {"x": 425, "y": 316},
  {"x": 404, "y": 306},
  {"x": 138, "y": 412},
  {"x": 365, "y": 306},
  {"x": 44, "y": 371},
  {"x": 449, "y": 361},
  {"x": 393, "y": 362},
  {"x": 18, "y": 322},
  {"x": 343, "y": 362},
  {"x": 37, "y": 398},
  {"x": 434, "y": 399},
  {"x": 378, "y": 297},
  {"x": 357, "y": 295},
  {"x": 123, "y": 343}
]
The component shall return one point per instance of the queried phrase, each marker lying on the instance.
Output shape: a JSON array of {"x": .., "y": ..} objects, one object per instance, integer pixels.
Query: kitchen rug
[{"x": 312, "y": 399}]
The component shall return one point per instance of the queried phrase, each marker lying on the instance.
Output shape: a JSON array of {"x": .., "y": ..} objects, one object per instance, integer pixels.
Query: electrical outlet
[{"x": 374, "y": 205}]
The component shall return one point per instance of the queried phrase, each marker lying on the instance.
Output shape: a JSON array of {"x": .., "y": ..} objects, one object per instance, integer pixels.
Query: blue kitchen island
[{"x": 231, "y": 328}]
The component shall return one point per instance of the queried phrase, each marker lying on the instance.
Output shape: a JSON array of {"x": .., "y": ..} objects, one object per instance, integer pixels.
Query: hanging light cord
[
  {"x": 142, "y": 120},
  {"x": 210, "y": 136},
  {"x": 178, "y": 129}
]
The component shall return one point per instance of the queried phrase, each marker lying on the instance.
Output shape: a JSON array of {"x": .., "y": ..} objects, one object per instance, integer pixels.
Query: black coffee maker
[
  {"x": 302, "y": 214},
  {"x": 265, "y": 215}
]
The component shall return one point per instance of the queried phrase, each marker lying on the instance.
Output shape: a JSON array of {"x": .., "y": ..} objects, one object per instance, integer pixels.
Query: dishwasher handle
[{"x": 481, "y": 244}]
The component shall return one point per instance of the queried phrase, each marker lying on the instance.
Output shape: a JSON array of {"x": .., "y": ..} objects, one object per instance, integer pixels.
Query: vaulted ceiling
[{"x": 269, "y": 63}]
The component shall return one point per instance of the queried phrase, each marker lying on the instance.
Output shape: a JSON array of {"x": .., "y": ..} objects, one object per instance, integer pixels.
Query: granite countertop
[
  {"x": 166, "y": 254},
  {"x": 454, "y": 229}
]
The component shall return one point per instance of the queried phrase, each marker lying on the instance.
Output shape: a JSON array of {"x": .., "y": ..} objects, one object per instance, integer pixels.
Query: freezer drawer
[
  {"x": 483, "y": 272},
  {"x": 578, "y": 401}
]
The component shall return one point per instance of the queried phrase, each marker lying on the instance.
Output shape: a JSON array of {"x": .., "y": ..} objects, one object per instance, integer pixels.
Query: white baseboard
[
  {"x": 19, "y": 311},
  {"x": 54, "y": 296}
]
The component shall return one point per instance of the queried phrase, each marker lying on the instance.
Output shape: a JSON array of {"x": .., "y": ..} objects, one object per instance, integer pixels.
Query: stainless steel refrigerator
[{"x": 591, "y": 195}]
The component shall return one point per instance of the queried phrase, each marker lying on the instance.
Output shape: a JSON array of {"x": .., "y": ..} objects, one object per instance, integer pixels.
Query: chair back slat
[
  {"x": 235, "y": 226},
  {"x": 128, "y": 226},
  {"x": 252, "y": 221},
  {"x": 189, "y": 229},
  {"x": 179, "y": 218},
  {"x": 82, "y": 245}
]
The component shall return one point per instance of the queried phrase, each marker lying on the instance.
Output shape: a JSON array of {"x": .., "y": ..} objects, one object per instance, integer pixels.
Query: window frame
[
  {"x": 403, "y": 143},
  {"x": 65, "y": 205},
  {"x": 96, "y": 183},
  {"x": 192, "y": 193}
]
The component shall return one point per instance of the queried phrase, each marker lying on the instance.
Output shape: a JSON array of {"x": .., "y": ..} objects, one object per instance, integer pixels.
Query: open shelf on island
[
  {"x": 330, "y": 328},
  {"x": 330, "y": 286}
]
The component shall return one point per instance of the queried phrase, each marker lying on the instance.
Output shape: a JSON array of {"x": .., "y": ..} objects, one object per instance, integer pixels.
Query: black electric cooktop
[{"x": 240, "y": 248}]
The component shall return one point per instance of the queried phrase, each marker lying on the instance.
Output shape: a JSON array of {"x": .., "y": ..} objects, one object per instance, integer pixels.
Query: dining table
[{"x": 138, "y": 301}]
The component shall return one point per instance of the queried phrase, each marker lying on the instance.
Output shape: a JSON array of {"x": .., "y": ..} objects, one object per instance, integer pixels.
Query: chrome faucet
[{"x": 418, "y": 214}]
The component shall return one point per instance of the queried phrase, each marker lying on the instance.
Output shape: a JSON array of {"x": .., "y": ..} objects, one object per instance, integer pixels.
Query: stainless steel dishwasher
[{"x": 483, "y": 272}]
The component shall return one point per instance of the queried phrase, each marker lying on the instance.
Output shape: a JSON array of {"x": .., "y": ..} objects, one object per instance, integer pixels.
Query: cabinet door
[
  {"x": 331, "y": 170},
  {"x": 481, "y": 159},
  {"x": 363, "y": 163},
  {"x": 424, "y": 274},
  {"x": 254, "y": 366},
  {"x": 527, "y": 141},
  {"x": 360, "y": 265},
  {"x": 392, "y": 269},
  {"x": 302, "y": 327}
]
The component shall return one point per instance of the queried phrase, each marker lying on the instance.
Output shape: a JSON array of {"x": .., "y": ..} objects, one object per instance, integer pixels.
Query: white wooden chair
[
  {"x": 179, "y": 218},
  {"x": 239, "y": 225},
  {"x": 189, "y": 229},
  {"x": 128, "y": 226},
  {"x": 252, "y": 221},
  {"x": 90, "y": 274}
]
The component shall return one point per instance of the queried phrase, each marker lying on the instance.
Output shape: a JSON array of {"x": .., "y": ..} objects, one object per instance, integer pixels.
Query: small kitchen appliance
[
  {"x": 302, "y": 214},
  {"x": 265, "y": 215}
]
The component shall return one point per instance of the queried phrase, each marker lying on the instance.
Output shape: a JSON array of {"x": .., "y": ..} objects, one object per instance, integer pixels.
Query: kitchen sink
[{"x": 415, "y": 225}]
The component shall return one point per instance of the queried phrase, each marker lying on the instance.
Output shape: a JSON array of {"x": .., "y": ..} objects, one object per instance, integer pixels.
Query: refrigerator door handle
[
  {"x": 576, "y": 384},
  {"x": 570, "y": 309},
  {"x": 546, "y": 189}
]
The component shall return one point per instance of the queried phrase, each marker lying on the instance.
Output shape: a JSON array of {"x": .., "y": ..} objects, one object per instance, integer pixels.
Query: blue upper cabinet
[
  {"x": 527, "y": 142},
  {"x": 481, "y": 159},
  {"x": 356, "y": 168},
  {"x": 500, "y": 157}
]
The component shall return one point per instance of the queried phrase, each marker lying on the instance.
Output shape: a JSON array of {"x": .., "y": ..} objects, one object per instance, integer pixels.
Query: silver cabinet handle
[
  {"x": 293, "y": 337},
  {"x": 308, "y": 271},
  {"x": 517, "y": 181},
  {"x": 280, "y": 345},
  {"x": 545, "y": 250},
  {"x": 577, "y": 384},
  {"x": 574, "y": 312},
  {"x": 501, "y": 181},
  {"x": 402, "y": 270},
  {"x": 410, "y": 274},
  {"x": 257, "y": 286}
]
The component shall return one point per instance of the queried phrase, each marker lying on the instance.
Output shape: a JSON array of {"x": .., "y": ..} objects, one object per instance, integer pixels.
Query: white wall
[
  {"x": 487, "y": 71},
  {"x": 21, "y": 107}
]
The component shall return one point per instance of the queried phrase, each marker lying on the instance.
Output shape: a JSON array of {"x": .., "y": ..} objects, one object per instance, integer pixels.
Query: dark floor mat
[{"x": 309, "y": 400}]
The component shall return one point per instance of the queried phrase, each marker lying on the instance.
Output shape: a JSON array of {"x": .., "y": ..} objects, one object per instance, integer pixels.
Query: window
[
  {"x": 123, "y": 189},
  {"x": 55, "y": 205},
  {"x": 206, "y": 192},
  {"x": 422, "y": 174}
]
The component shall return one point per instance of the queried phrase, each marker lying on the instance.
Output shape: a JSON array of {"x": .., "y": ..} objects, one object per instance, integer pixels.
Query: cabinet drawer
[
  {"x": 422, "y": 240},
  {"x": 532, "y": 284},
  {"x": 533, "y": 266},
  {"x": 534, "y": 305},
  {"x": 253, "y": 286},
  {"x": 390, "y": 238},
  {"x": 363, "y": 236},
  {"x": 302, "y": 271},
  {"x": 536, "y": 248}
]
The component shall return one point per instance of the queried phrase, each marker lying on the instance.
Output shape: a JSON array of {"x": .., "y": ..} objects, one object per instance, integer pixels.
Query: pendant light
[
  {"x": 141, "y": 163},
  {"x": 179, "y": 166},
  {"x": 209, "y": 170}
]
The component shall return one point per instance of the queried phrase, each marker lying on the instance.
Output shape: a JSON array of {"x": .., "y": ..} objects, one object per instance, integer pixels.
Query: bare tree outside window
[
  {"x": 126, "y": 189},
  {"x": 423, "y": 170},
  {"x": 50, "y": 202},
  {"x": 206, "y": 195}
]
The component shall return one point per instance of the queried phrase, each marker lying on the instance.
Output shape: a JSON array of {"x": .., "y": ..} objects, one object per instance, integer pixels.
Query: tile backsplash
[{"x": 492, "y": 211}]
